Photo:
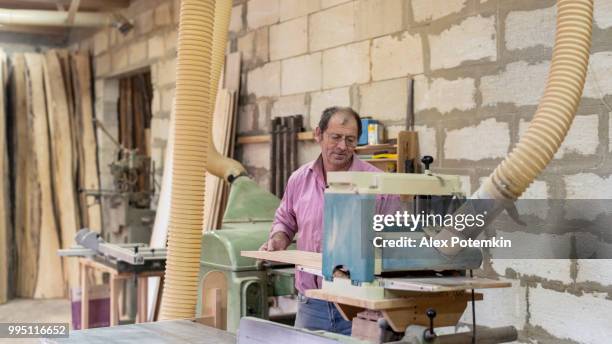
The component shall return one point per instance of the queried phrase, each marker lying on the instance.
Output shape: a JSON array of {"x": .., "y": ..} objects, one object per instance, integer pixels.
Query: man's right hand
[{"x": 277, "y": 242}]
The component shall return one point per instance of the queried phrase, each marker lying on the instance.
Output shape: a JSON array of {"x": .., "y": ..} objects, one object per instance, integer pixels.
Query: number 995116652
[{"x": 34, "y": 330}]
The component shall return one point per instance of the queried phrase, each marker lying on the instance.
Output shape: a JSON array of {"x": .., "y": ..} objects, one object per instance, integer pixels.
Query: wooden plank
[
  {"x": 5, "y": 217},
  {"x": 307, "y": 259},
  {"x": 61, "y": 153},
  {"x": 408, "y": 149},
  {"x": 49, "y": 277},
  {"x": 27, "y": 192},
  {"x": 373, "y": 304},
  {"x": 89, "y": 163},
  {"x": 440, "y": 284}
]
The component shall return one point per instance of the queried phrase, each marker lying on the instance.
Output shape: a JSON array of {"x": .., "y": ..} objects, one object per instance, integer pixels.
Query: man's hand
[{"x": 277, "y": 242}]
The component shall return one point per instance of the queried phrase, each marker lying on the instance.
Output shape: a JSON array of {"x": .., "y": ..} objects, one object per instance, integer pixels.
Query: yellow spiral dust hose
[
  {"x": 552, "y": 120},
  {"x": 200, "y": 59}
]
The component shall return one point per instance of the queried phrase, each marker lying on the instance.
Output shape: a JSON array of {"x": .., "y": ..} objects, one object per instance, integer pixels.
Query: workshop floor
[{"x": 40, "y": 311}]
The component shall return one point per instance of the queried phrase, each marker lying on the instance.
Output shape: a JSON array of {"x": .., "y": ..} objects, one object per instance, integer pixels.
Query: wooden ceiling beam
[{"x": 42, "y": 30}]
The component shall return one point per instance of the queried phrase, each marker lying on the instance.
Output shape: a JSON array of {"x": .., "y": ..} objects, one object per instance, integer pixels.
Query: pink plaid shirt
[{"x": 301, "y": 211}]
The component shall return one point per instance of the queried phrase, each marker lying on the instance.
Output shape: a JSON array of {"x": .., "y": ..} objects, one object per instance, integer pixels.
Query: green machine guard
[{"x": 240, "y": 285}]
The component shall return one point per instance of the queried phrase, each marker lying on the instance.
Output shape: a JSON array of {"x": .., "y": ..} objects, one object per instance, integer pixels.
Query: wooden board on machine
[
  {"x": 49, "y": 282},
  {"x": 312, "y": 260},
  {"x": 62, "y": 159},
  {"x": 5, "y": 218}
]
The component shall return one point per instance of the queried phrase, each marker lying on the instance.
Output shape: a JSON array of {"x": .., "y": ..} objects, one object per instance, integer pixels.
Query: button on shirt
[{"x": 301, "y": 211}]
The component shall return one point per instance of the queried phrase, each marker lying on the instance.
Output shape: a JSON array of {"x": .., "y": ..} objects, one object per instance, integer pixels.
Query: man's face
[{"x": 338, "y": 141}]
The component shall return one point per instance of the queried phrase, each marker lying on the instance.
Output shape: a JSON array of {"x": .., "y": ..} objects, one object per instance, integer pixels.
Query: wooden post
[
  {"x": 141, "y": 315},
  {"x": 84, "y": 297},
  {"x": 114, "y": 296}
]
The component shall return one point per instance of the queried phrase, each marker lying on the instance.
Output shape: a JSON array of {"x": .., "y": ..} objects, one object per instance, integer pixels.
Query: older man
[{"x": 301, "y": 210}]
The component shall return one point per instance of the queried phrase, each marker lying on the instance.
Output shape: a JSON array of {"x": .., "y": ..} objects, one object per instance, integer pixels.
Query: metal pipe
[{"x": 54, "y": 18}]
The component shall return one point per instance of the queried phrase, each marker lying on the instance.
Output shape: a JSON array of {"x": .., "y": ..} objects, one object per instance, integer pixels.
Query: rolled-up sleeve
[{"x": 284, "y": 219}]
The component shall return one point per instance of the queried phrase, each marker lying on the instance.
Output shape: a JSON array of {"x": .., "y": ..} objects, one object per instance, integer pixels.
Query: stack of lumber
[{"x": 53, "y": 160}]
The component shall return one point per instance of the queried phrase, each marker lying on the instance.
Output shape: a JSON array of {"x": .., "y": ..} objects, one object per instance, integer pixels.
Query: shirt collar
[{"x": 316, "y": 166}]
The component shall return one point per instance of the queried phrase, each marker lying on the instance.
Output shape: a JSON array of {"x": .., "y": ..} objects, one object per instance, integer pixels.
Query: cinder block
[
  {"x": 247, "y": 114},
  {"x": 171, "y": 40},
  {"x": 602, "y": 14},
  {"x": 526, "y": 82},
  {"x": 538, "y": 255},
  {"x": 119, "y": 59},
  {"x": 236, "y": 24},
  {"x": 162, "y": 15},
  {"x": 473, "y": 39},
  {"x": 166, "y": 72},
  {"x": 588, "y": 186},
  {"x": 466, "y": 143},
  {"x": 378, "y": 17},
  {"x": 254, "y": 47},
  {"x": 103, "y": 64},
  {"x": 261, "y": 13},
  {"x": 525, "y": 29},
  {"x": 291, "y": 105},
  {"x": 332, "y": 27},
  {"x": 595, "y": 270},
  {"x": 395, "y": 56},
  {"x": 256, "y": 155},
  {"x": 144, "y": 22},
  {"x": 263, "y": 115},
  {"x": 597, "y": 85},
  {"x": 582, "y": 138},
  {"x": 160, "y": 128},
  {"x": 385, "y": 100},
  {"x": 100, "y": 41},
  {"x": 156, "y": 47},
  {"x": 346, "y": 65},
  {"x": 609, "y": 131},
  {"x": 538, "y": 190},
  {"x": 290, "y": 9},
  {"x": 167, "y": 99},
  {"x": 301, "y": 74},
  {"x": 500, "y": 307},
  {"x": 583, "y": 319},
  {"x": 289, "y": 38},
  {"x": 264, "y": 81},
  {"x": 138, "y": 52},
  {"x": 426, "y": 10},
  {"x": 444, "y": 95},
  {"x": 320, "y": 101},
  {"x": 308, "y": 151},
  {"x": 156, "y": 102}
]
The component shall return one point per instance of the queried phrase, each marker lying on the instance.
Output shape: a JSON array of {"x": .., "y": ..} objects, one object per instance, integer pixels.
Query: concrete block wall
[
  {"x": 150, "y": 45},
  {"x": 479, "y": 69}
]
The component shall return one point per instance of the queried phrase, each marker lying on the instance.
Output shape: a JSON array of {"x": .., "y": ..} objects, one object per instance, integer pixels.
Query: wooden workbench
[{"x": 116, "y": 277}]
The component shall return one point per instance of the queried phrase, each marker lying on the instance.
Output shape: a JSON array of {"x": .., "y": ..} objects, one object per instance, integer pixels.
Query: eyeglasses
[{"x": 350, "y": 141}]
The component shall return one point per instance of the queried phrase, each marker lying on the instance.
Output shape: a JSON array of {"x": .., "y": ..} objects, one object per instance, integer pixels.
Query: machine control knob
[
  {"x": 429, "y": 334},
  {"x": 427, "y": 160}
]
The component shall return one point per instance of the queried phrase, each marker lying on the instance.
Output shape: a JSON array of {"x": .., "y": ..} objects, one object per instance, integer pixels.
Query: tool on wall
[{"x": 283, "y": 151}]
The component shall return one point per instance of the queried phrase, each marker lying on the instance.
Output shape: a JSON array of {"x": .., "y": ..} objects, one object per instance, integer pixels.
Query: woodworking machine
[{"x": 396, "y": 293}]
